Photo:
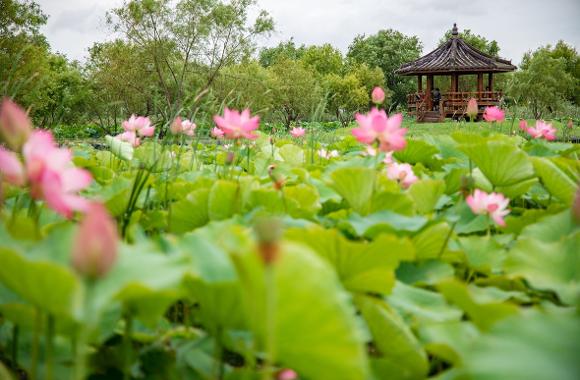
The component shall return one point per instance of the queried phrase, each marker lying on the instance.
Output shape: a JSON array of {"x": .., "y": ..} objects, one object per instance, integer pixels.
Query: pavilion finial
[{"x": 454, "y": 31}]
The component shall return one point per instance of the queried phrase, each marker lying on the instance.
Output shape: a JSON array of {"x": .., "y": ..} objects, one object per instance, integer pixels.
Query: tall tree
[
  {"x": 189, "y": 35},
  {"x": 283, "y": 51},
  {"x": 324, "y": 59},
  {"x": 479, "y": 42},
  {"x": 542, "y": 83},
  {"x": 388, "y": 49}
]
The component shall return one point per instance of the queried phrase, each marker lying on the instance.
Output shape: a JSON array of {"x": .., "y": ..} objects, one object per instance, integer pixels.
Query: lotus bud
[
  {"x": 230, "y": 158},
  {"x": 523, "y": 125},
  {"x": 378, "y": 95},
  {"x": 268, "y": 232},
  {"x": 15, "y": 125},
  {"x": 472, "y": 109},
  {"x": 570, "y": 124},
  {"x": 286, "y": 374},
  {"x": 176, "y": 127},
  {"x": 95, "y": 245},
  {"x": 576, "y": 207},
  {"x": 277, "y": 179}
]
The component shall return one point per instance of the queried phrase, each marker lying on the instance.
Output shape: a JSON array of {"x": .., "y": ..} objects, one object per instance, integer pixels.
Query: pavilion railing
[{"x": 453, "y": 103}]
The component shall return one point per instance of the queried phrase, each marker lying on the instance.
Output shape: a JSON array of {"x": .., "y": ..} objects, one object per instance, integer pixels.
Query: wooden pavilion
[{"x": 453, "y": 58}]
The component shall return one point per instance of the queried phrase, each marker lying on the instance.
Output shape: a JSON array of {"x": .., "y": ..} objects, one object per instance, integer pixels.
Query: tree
[
  {"x": 245, "y": 85},
  {"x": 388, "y": 49},
  {"x": 479, "y": 42},
  {"x": 284, "y": 51},
  {"x": 25, "y": 53},
  {"x": 571, "y": 60},
  {"x": 189, "y": 36},
  {"x": 323, "y": 59},
  {"x": 295, "y": 91},
  {"x": 346, "y": 95},
  {"x": 542, "y": 83}
]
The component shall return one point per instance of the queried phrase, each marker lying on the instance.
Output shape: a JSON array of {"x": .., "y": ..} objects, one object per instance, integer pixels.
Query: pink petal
[{"x": 11, "y": 169}]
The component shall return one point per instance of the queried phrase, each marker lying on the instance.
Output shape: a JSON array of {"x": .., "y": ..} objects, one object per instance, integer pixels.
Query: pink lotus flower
[
  {"x": 297, "y": 132},
  {"x": 472, "y": 109},
  {"x": 237, "y": 125},
  {"x": 129, "y": 137},
  {"x": 134, "y": 127},
  {"x": 542, "y": 130},
  {"x": 139, "y": 124},
  {"x": 11, "y": 169},
  {"x": 376, "y": 127},
  {"x": 95, "y": 245},
  {"x": 388, "y": 158},
  {"x": 493, "y": 114},
  {"x": 370, "y": 151},
  {"x": 523, "y": 125},
  {"x": 52, "y": 176},
  {"x": 378, "y": 95},
  {"x": 217, "y": 133},
  {"x": 494, "y": 205},
  {"x": 402, "y": 173},
  {"x": 15, "y": 126},
  {"x": 185, "y": 127}
]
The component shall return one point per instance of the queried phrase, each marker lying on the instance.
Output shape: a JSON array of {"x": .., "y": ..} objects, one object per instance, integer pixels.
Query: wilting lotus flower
[
  {"x": 297, "y": 132},
  {"x": 494, "y": 205},
  {"x": 286, "y": 374},
  {"x": 402, "y": 173},
  {"x": 327, "y": 154},
  {"x": 376, "y": 127},
  {"x": 95, "y": 245},
  {"x": 493, "y": 114},
  {"x": 378, "y": 95},
  {"x": 542, "y": 130},
  {"x": 15, "y": 126},
  {"x": 472, "y": 109},
  {"x": 237, "y": 125},
  {"x": 184, "y": 127},
  {"x": 523, "y": 125}
]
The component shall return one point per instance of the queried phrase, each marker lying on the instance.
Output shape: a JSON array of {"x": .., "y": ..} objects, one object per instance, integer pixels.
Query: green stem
[
  {"x": 15, "y": 335},
  {"x": 270, "y": 320},
  {"x": 35, "y": 345},
  {"x": 49, "y": 359},
  {"x": 127, "y": 349}
]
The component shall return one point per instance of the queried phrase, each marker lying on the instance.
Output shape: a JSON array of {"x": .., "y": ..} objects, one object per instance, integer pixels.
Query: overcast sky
[{"x": 517, "y": 25}]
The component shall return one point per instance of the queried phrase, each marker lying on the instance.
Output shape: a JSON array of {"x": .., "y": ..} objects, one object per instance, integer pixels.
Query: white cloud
[{"x": 517, "y": 25}]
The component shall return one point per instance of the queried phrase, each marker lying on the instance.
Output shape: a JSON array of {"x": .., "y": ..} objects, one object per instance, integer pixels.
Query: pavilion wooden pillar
[
  {"x": 490, "y": 81},
  {"x": 419, "y": 83},
  {"x": 454, "y": 85},
  {"x": 479, "y": 85},
  {"x": 428, "y": 92}
]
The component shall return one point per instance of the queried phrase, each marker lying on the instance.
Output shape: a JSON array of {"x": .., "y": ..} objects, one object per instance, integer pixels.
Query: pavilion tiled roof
[{"x": 455, "y": 56}]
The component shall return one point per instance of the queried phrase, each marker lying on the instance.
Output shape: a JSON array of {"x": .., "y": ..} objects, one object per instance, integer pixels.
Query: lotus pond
[{"x": 297, "y": 258}]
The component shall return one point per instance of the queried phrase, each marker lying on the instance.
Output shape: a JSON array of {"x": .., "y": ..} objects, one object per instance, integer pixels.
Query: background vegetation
[{"x": 195, "y": 56}]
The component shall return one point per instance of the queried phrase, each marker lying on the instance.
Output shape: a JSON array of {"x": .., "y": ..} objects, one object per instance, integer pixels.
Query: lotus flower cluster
[
  {"x": 377, "y": 128},
  {"x": 182, "y": 127},
  {"x": 297, "y": 132},
  {"x": 542, "y": 130},
  {"x": 494, "y": 113},
  {"x": 135, "y": 128},
  {"x": 493, "y": 204},
  {"x": 402, "y": 173},
  {"x": 236, "y": 125},
  {"x": 46, "y": 169}
]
